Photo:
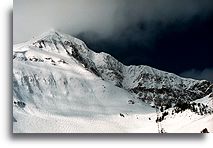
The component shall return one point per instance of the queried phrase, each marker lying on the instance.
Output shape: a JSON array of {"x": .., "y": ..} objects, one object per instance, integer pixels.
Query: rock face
[
  {"x": 146, "y": 83},
  {"x": 166, "y": 89}
]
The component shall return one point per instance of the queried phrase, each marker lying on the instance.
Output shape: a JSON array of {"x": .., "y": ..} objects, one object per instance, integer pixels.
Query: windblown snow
[{"x": 61, "y": 86}]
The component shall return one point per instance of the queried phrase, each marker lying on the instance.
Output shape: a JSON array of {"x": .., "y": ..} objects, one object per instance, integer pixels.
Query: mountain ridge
[
  {"x": 136, "y": 79},
  {"x": 60, "y": 85}
]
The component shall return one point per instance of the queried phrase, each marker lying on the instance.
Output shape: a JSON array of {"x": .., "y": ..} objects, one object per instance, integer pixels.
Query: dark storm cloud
[
  {"x": 206, "y": 74},
  {"x": 106, "y": 18},
  {"x": 176, "y": 46},
  {"x": 158, "y": 33}
]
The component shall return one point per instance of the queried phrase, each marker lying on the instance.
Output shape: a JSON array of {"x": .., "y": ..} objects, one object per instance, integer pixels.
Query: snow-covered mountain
[{"x": 60, "y": 85}]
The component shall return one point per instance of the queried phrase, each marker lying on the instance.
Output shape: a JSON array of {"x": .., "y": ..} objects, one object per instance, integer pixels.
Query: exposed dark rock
[
  {"x": 86, "y": 62},
  {"x": 122, "y": 115},
  {"x": 64, "y": 62},
  {"x": 167, "y": 94},
  {"x": 21, "y": 104},
  {"x": 131, "y": 102},
  {"x": 14, "y": 120}
]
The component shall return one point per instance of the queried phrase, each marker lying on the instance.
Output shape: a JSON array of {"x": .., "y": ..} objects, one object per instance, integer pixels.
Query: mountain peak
[
  {"x": 52, "y": 33},
  {"x": 53, "y": 41},
  {"x": 56, "y": 75},
  {"x": 53, "y": 30},
  {"x": 138, "y": 79}
]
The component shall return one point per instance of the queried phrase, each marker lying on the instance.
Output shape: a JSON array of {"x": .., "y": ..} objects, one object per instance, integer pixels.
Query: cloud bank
[{"x": 105, "y": 18}]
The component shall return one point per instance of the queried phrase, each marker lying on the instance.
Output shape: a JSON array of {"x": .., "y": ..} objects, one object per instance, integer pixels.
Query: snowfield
[{"x": 61, "y": 86}]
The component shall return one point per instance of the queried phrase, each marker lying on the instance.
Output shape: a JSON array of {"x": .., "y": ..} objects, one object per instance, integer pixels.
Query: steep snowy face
[
  {"x": 55, "y": 74},
  {"x": 54, "y": 49},
  {"x": 110, "y": 69},
  {"x": 57, "y": 43}
]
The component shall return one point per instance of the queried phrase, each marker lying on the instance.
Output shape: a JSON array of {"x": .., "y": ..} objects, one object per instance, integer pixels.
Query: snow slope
[
  {"x": 59, "y": 85},
  {"x": 207, "y": 100}
]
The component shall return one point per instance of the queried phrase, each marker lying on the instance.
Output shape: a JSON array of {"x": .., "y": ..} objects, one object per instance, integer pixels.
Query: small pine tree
[{"x": 161, "y": 109}]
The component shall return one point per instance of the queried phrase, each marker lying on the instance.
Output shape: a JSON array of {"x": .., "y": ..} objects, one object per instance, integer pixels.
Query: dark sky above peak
[{"x": 171, "y": 35}]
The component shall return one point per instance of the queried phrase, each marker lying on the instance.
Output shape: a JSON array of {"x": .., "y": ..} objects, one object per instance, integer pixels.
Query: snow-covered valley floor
[{"x": 186, "y": 122}]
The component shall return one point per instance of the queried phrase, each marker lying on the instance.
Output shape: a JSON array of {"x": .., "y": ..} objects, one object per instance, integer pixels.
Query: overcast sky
[{"x": 171, "y": 35}]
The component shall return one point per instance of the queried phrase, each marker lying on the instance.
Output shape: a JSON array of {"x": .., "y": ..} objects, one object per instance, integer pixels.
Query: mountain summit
[{"x": 58, "y": 80}]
